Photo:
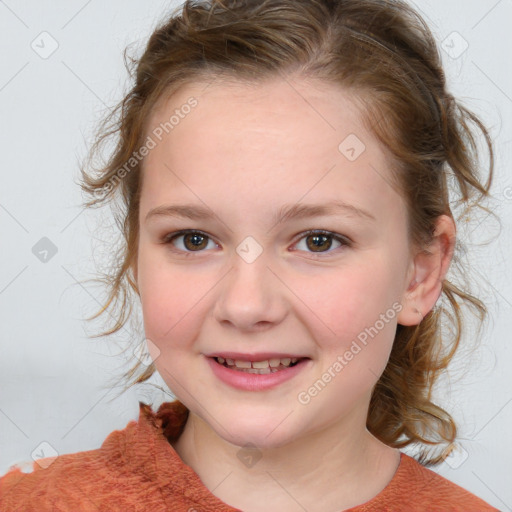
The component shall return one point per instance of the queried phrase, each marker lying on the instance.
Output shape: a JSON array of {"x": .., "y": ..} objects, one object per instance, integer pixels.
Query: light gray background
[{"x": 56, "y": 383}]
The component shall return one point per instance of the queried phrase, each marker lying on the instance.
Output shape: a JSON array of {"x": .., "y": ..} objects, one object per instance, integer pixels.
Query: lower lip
[{"x": 253, "y": 381}]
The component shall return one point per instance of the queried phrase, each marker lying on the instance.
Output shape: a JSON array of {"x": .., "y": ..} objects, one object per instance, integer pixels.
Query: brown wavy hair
[{"x": 383, "y": 52}]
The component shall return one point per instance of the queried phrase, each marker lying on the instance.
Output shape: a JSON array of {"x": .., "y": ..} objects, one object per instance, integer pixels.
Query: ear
[{"x": 427, "y": 272}]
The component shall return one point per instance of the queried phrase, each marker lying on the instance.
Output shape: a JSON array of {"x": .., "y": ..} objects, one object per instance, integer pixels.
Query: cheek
[
  {"x": 361, "y": 310},
  {"x": 170, "y": 298},
  {"x": 349, "y": 302}
]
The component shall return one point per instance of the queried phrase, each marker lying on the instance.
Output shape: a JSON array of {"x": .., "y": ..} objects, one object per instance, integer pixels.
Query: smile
[{"x": 256, "y": 375}]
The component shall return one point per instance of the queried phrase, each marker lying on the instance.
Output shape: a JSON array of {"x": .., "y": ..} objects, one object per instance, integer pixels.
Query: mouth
[
  {"x": 257, "y": 372},
  {"x": 263, "y": 367}
]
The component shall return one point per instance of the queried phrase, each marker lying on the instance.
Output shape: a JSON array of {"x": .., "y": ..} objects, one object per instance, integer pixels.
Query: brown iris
[
  {"x": 197, "y": 241},
  {"x": 319, "y": 242}
]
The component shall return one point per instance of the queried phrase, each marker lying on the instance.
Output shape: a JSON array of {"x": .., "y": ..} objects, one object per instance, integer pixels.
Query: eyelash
[{"x": 344, "y": 241}]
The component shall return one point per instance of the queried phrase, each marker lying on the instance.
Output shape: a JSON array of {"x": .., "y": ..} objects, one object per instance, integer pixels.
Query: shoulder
[
  {"x": 415, "y": 488},
  {"x": 120, "y": 475},
  {"x": 55, "y": 483}
]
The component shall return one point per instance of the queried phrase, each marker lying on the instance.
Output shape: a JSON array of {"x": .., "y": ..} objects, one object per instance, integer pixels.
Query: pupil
[
  {"x": 319, "y": 240},
  {"x": 196, "y": 239}
]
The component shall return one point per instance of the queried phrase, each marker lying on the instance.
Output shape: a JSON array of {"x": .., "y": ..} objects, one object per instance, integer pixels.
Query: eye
[
  {"x": 192, "y": 240},
  {"x": 320, "y": 241},
  {"x": 317, "y": 241}
]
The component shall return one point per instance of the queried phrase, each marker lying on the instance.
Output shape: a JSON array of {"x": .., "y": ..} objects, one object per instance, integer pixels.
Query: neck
[{"x": 332, "y": 469}]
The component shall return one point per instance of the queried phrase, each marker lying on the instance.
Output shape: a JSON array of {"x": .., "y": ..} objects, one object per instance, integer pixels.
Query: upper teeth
[{"x": 274, "y": 363}]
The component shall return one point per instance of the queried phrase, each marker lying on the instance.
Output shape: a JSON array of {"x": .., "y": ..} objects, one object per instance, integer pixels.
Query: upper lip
[{"x": 254, "y": 356}]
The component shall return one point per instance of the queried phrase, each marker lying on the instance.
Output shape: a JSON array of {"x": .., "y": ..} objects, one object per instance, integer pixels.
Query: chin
[{"x": 264, "y": 435}]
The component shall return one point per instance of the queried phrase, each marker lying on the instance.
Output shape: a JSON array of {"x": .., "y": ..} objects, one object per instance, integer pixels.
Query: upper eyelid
[
  {"x": 343, "y": 239},
  {"x": 182, "y": 232}
]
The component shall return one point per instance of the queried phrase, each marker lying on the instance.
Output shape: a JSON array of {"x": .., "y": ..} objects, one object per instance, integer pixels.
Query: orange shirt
[{"x": 137, "y": 469}]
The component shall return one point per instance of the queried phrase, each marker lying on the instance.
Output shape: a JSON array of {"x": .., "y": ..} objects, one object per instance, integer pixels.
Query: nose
[{"x": 251, "y": 297}]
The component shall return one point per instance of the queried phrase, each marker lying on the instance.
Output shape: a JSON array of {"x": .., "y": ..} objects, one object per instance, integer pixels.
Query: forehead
[
  {"x": 310, "y": 111},
  {"x": 299, "y": 137}
]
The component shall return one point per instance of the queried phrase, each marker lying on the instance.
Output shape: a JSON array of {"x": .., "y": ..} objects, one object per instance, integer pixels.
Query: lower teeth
[{"x": 259, "y": 371}]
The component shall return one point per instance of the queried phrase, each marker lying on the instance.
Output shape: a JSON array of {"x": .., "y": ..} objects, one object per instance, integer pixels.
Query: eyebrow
[{"x": 286, "y": 212}]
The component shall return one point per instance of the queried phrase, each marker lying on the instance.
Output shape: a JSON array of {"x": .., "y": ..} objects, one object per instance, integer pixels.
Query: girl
[{"x": 284, "y": 168}]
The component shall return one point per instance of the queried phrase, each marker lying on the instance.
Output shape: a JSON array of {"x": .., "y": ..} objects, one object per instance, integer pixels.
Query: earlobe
[{"x": 428, "y": 270}]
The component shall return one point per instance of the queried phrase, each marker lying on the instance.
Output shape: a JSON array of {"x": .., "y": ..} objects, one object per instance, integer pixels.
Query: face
[{"x": 267, "y": 164}]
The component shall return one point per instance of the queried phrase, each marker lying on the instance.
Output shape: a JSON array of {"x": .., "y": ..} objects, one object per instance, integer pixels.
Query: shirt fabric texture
[{"x": 137, "y": 469}]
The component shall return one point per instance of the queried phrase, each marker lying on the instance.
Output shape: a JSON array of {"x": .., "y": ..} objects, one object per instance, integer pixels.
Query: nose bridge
[{"x": 251, "y": 295}]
